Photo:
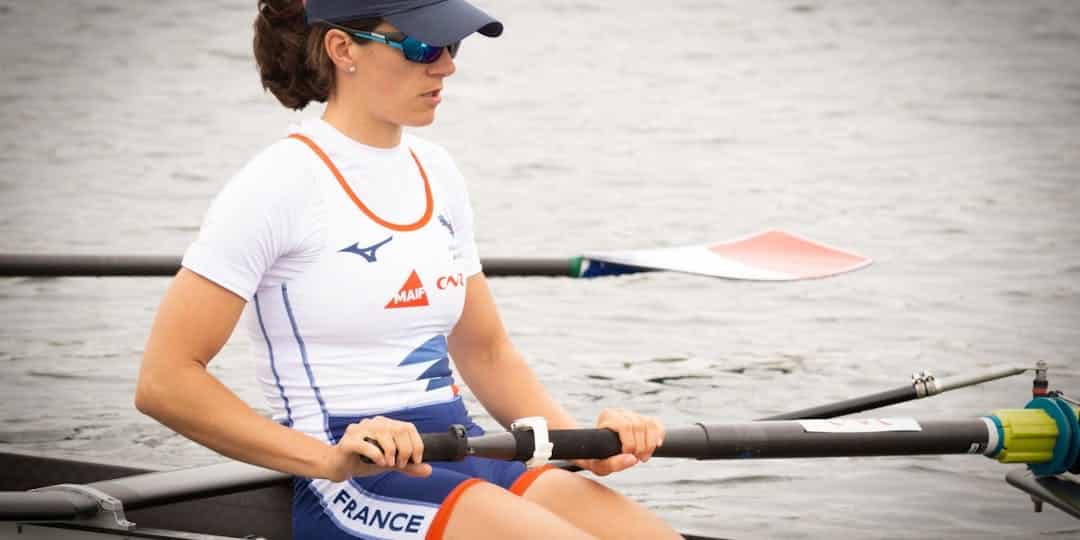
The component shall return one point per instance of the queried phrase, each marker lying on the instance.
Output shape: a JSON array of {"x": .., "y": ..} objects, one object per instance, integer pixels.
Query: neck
[{"x": 361, "y": 126}]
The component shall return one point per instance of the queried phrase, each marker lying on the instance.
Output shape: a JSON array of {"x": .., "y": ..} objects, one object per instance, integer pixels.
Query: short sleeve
[{"x": 263, "y": 215}]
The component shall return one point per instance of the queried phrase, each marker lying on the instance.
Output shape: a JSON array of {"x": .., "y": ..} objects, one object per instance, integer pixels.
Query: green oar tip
[{"x": 577, "y": 266}]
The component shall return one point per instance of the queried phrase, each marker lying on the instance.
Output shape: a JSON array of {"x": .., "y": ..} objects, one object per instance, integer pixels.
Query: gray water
[{"x": 941, "y": 138}]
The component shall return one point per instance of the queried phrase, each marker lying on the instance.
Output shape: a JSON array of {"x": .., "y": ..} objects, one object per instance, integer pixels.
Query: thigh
[
  {"x": 488, "y": 512},
  {"x": 595, "y": 508}
]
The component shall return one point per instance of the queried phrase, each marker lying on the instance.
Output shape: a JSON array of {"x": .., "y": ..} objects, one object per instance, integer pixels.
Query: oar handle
[
  {"x": 572, "y": 444},
  {"x": 451, "y": 445},
  {"x": 454, "y": 445}
]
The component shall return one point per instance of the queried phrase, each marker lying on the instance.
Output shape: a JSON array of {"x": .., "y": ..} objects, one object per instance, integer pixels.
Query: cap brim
[{"x": 446, "y": 22}]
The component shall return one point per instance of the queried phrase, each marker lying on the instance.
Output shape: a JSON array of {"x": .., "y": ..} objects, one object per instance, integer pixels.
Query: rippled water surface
[{"x": 940, "y": 138}]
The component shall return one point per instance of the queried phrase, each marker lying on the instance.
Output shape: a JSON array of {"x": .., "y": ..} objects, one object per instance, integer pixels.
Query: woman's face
[{"x": 396, "y": 90}]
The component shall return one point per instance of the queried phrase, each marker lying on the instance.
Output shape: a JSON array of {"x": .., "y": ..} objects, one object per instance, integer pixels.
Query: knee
[{"x": 486, "y": 511}]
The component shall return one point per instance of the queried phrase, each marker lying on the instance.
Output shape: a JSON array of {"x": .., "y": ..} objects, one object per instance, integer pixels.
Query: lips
[{"x": 432, "y": 93}]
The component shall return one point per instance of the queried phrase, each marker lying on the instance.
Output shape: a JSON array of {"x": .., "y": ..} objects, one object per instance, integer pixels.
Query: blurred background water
[{"x": 941, "y": 138}]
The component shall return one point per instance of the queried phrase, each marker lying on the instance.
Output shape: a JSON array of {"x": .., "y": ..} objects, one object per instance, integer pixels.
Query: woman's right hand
[{"x": 402, "y": 450}]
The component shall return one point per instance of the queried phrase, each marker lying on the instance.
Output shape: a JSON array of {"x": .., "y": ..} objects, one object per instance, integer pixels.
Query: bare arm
[
  {"x": 193, "y": 322},
  {"x": 493, "y": 368},
  {"x": 503, "y": 382}
]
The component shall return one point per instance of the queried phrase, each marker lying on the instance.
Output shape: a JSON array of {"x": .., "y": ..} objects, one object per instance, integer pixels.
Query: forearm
[
  {"x": 509, "y": 389},
  {"x": 195, "y": 404}
]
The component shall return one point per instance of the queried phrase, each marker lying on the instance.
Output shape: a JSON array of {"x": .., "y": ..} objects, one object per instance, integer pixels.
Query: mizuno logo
[
  {"x": 368, "y": 253},
  {"x": 446, "y": 223},
  {"x": 411, "y": 294}
]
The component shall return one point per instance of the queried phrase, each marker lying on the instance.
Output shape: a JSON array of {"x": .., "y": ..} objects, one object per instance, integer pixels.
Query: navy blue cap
[{"x": 436, "y": 22}]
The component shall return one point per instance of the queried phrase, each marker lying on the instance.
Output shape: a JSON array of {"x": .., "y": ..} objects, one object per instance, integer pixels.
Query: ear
[{"x": 338, "y": 48}]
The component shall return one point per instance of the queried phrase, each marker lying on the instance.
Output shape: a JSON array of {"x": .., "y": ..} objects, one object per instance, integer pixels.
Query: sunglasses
[{"x": 413, "y": 49}]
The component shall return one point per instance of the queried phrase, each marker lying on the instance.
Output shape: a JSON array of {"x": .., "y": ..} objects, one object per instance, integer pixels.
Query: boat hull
[
  {"x": 260, "y": 512},
  {"x": 263, "y": 512}
]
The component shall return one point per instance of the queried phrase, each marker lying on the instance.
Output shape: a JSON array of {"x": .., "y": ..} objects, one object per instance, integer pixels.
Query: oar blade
[{"x": 771, "y": 255}]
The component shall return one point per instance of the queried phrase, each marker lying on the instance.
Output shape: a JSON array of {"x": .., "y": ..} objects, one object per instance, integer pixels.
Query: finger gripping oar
[
  {"x": 454, "y": 445},
  {"x": 684, "y": 442},
  {"x": 573, "y": 443},
  {"x": 449, "y": 446}
]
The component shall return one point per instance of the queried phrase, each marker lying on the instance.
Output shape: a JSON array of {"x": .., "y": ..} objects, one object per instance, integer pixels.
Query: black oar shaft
[
  {"x": 16, "y": 265},
  {"x": 87, "y": 265},
  {"x": 851, "y": 406},
  {"x": 923, "y": 385},
  {"x": 789, "y": 439},
  {"x": 506, "y": 267},
  {"x": 750, "y": 440}
]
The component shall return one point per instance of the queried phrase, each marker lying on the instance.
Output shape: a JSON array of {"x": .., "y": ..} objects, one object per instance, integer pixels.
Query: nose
[{"x": 443, "y": 66}]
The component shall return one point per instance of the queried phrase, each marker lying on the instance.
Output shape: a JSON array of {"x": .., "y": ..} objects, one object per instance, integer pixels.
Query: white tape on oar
[
  {"x": 542, "y": 446},
  {"x": 860, "y": 425},
  {"x": 992, "y": 440}
]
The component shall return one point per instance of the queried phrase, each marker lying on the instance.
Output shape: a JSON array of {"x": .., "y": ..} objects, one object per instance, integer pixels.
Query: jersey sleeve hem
[{"x": 214, "y": 274}]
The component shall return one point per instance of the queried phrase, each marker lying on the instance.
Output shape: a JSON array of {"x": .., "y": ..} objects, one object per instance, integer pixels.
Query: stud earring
[{"x": 352, "y": 69}]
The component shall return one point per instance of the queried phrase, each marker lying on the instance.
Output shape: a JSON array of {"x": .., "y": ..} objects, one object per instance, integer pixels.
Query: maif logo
[
  {"x": 447, "y": 282},
  {"x": 411, "y": 294}
]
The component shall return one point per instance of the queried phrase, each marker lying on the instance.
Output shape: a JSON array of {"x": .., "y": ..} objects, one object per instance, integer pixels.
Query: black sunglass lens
[{"x": 418, "y": 51}]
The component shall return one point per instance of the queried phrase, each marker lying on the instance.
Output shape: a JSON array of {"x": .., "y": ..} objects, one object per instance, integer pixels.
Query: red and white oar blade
[{"x": 771, "y": 255}]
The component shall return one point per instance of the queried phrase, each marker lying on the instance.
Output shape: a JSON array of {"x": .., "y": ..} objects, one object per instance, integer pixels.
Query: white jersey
[{"x": 354, "y": 278}]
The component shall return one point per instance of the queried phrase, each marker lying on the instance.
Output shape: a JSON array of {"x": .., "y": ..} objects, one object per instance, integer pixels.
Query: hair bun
[{"x": 281, "y": 54}]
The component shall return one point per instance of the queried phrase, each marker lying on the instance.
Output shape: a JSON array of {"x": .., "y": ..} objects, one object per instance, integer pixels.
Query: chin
[{"x": 420, "y": 120}]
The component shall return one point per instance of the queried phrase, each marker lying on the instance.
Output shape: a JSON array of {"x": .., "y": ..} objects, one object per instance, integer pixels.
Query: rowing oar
[
  {"x": 768, "y": 256},
  {"x": 1045, "y": 436},
  {"x": 923, "y": 384}
]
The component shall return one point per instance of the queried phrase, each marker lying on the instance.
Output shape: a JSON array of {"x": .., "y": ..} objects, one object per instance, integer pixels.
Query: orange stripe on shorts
[
  {"x": 522, "y": 484},
  {"x": 442, "y": 517}
]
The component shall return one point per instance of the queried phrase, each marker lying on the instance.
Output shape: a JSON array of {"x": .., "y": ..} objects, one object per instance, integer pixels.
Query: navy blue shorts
[{"x": 395, "y": 506}]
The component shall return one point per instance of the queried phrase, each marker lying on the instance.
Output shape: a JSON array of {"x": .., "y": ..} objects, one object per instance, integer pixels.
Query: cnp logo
[{"x": 447, "y": 282}]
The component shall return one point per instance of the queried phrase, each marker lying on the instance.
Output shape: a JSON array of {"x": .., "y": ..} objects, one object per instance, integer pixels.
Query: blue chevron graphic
[
  {"x": 438, "y": 369},
  {"x": 441, "y": 382},
  {"x": 434, "y": 350},
  {"x": 368, "y": 253}
]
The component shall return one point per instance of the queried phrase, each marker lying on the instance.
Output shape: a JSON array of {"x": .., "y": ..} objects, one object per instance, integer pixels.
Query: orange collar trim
[{"x": 429, "y": 200}]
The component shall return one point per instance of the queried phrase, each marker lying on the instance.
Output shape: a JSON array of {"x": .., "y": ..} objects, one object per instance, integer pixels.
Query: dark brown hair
[{"x": 289, "y": 53}]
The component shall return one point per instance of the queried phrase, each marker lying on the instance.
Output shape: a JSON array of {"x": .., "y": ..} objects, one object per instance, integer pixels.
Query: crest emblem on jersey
[
  {"x": 411, "y": 294},
  {"x": 445, "y": 221},
  {"x": 368, "y": 253}
]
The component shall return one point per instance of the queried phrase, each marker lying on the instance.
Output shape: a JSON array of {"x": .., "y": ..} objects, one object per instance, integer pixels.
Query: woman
[{"x": 347, "y": 248}]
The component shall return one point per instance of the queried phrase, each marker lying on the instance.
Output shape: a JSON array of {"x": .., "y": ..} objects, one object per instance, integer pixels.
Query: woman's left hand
[{"x": 640, "y": 436}]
